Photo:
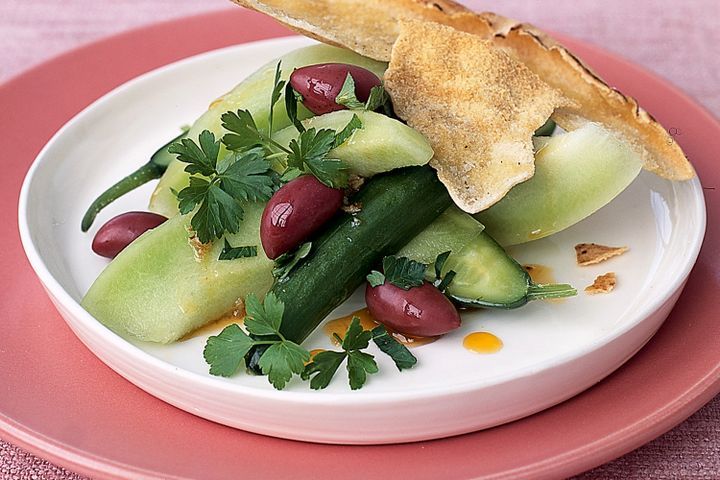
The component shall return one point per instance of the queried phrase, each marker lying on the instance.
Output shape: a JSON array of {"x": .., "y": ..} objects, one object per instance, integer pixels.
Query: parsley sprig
[
  {"x": 347, "y": 97},
  {"x": 359, "y": 364},
  {"x": 282, "y": 359},
  {"x": 406, "y": 273},
  {"x": 223, "y": 187},
  {"x": 219, "y": 187},
  {"x": 226, "y": 352},
  {"x": 306, "y": 154}
]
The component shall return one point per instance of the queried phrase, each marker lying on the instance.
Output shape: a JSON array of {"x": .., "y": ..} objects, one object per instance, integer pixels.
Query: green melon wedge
[
  {"x": 381, "y": 145},
  {"x": 161, "y": 286},
  {"x": 253, "y": 94},
  {"x": 576, "y": 174}
]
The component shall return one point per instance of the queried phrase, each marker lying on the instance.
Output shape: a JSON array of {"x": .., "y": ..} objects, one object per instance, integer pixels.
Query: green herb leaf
[
  {"x": 310, "y": 145},
  {"x": 359, "y": 364},
  {"x": 324, "y": 365},
  {"x": 291, "y": 102},
  {"x": 397, "y": 351},
  {"x": 200, "y": 159},
  {"x": 218, "y": 213},
  {"x": 225, "y": 353},
  {"x": 275, "y": 96},
  {"x": 356, "y": 338},
  {"x": 290, "y": 173},
  {"x": 343, "y": 135},
  {"x": 285, "y": 263},
  {"x": 240, "y": 176},
  {"x": 263, "y": 319},
  {"x": 375, "y": 278},
  {"x": 378, "y": 98},
  {"x": 282, "y": 360},
  {"x": 440, "y": 263},
  {"x": 403, "y": 272},
  {"x": 331, "y": 172},
  {"x": 346, "y": 96},
  {"x": 449, "y": 277},
  {"x": 231, "y": 253},
  {"x": 245, "y": 134},
  {"x": 248, "y": 178},
  {"x": 192, "y": 195}
]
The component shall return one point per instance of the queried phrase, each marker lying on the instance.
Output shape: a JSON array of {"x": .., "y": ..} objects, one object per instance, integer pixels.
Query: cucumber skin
[
  {"x": 521, "y": 279},
  {"x": 396, "y": 206}
]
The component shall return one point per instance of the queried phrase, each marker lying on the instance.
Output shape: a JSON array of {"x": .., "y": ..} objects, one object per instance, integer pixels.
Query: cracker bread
[
  {"x": 603, "y": 284},
  {"x": 593, "y": 253},
  {"x": 370, "y": 27},
  {"x": 476, "y": 105}
]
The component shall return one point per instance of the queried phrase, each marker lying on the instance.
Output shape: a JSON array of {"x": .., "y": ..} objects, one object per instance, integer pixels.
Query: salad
[{"x": 327, "y": 171}]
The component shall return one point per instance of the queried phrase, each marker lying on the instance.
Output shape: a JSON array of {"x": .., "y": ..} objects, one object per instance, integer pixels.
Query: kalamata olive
[
  {"x": 294, "y": 212},
  {"x": 120, "y": 231},
  {"x": 422, "y": 311},
  {"x": 320, "y": 84}
]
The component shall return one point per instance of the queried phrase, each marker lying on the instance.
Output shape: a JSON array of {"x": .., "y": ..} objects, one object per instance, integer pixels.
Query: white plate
[{"x": 551, "y": 351}]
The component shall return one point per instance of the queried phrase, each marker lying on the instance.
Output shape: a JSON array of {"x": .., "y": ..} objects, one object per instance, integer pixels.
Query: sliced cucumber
[
  {"x": 343, "y": 255},
  {"x": 576, "y": 174},
  {"x": 451, "y": 231},
  {"x": 161, "y": 287},
  {"x": 253, "y": 94},
  {"x": 381, "y": 145},
  {"x": 485, "y": 276}
]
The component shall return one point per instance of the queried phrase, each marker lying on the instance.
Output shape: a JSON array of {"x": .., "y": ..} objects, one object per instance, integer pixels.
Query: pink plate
[{"x": 59, "y": 401}]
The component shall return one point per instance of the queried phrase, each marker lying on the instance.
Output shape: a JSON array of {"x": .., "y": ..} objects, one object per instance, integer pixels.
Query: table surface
[{"x": 678, "y": 41}]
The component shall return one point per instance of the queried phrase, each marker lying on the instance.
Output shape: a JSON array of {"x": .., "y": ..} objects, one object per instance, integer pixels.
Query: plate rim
[{"x": 685, "y": 404}]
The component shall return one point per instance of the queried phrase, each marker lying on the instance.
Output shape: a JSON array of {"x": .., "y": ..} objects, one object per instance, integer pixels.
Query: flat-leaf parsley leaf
[{"x": 244, "y": 177}]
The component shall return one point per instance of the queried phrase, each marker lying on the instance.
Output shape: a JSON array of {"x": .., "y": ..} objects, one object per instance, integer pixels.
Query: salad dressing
[
  {"x": 483, "y": 342},
  {"x": 542, "y": 275},
  {"x": 340, "y": 325}
]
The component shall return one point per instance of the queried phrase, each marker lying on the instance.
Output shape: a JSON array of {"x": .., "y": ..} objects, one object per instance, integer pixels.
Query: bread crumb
[
  {"x": 602, "y": 284},
  {"x": 592, "y": 253}
]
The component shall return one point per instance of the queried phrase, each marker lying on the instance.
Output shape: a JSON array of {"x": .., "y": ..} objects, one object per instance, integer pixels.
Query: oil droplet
[
  {"x": 482, "y": 342},
  {"x": 315, "y": 351},
  {"x": 340, "y": 325},
  {"x": 540, "y": 273}
]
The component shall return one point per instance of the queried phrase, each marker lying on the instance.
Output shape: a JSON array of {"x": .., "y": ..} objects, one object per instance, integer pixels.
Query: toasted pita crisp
[
  {"x": 370, "y": 27},
  {"x": 476, "y": 105},
  {"x": 602, "y": 284},
  {"x": 592, "y": 253}
]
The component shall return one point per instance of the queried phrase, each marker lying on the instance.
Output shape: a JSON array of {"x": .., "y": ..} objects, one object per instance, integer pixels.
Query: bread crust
[{"x": 370, "y": 27}]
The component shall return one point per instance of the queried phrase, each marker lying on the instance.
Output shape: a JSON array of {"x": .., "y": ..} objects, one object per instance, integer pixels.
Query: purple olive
[
  {"x": 120, "y": 231},
  {"x": 422, "y": 311},
  {"x": 297, "y": 210},
  {"x": 320, "y": 84}
]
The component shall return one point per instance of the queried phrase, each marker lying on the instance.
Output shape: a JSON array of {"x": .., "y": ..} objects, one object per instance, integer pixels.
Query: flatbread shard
[
  {"x": 477, "y": 106},
  {"x": 370, "y": 28},
  {"x": 603, "y": 284},
  {"x": 593, "y": 253}
]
